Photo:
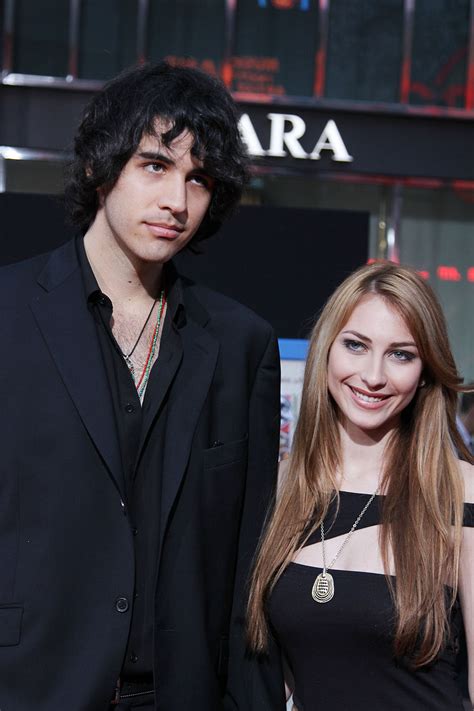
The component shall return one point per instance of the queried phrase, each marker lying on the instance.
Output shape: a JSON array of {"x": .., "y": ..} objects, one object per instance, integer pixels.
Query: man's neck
[{"x": 123, "y": 279}]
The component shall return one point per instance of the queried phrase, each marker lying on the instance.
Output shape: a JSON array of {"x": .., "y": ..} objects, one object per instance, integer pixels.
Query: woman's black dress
[{"x": 341, "y": 652}]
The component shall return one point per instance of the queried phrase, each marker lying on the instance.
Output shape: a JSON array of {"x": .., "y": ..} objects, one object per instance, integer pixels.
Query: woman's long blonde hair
[{"x": 423, "y": 509}]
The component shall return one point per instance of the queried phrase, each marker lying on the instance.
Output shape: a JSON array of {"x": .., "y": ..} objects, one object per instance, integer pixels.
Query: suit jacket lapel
[
  {"x": 191, "y": 386},
  {"x": 169, "y": 360},
  {"x": 70, "y": 333}
]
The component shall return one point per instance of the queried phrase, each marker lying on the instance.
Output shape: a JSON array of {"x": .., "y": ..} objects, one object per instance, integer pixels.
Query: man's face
[{"x": 159, "y": 200}]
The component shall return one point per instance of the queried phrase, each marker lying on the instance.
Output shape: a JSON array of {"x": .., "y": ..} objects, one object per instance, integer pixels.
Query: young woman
[{"x": 366, "y": 570}]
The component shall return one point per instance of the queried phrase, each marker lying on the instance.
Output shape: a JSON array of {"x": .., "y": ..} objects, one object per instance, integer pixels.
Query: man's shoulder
[
  {"x": 222, "y": 308},
  {"x": 30, "y": 265},
  {"x": 26, "y": 269},
  {"x": 25, "y": 277}
]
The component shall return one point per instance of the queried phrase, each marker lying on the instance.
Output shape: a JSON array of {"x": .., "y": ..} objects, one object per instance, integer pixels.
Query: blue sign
[{"x": 293, "y": 348}]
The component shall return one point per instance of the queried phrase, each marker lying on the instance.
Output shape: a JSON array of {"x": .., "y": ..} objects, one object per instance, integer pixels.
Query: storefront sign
[
  {"x": 304, "y": 138},
  {"x": 286, "y": 130},
  {"x": 310, "y": 139}
]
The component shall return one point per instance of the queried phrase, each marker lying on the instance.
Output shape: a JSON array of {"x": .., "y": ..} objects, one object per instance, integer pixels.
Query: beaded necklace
[{"x": 143, "y": 379}]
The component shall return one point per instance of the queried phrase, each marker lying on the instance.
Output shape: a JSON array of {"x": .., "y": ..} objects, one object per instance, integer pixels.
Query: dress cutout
[{"x": 341, "y": 652}]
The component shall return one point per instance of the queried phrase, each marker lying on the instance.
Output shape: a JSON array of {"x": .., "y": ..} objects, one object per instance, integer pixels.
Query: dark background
[{"x": 282, "y": 262}]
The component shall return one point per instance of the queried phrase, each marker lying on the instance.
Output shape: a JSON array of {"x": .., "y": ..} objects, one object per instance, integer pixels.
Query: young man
[{"x": 140, "y": 426}]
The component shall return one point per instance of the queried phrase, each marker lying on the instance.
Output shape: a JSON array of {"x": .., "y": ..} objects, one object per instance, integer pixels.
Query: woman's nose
[{"x": 374, "y": 373}]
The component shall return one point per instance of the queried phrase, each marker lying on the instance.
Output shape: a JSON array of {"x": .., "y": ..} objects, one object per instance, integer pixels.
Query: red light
[
  {"x": 448, "y": 273},
  {"x": 470, "y": 274},
  {"x": 424, "y": 274}
]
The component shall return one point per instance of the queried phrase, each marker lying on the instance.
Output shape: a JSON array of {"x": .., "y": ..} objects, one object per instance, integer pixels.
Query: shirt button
[
  {"x": 133, "y": 658},
  {"x": 121, "y": 604},
  {"x": 129, "y": 408}
]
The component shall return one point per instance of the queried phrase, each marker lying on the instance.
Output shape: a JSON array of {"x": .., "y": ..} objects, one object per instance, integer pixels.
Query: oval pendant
[{"x": 323, "y": 588}]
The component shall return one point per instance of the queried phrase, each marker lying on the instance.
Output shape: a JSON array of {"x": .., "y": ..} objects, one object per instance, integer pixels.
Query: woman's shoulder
[{"x": 467, "y": 473}]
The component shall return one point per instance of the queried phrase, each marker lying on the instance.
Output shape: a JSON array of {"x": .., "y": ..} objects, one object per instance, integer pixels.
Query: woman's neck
[{"x": 362, "y": 460}]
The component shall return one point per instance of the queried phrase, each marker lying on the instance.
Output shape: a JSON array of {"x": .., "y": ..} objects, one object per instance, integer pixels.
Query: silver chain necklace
[{"x": 323, "y": 586}]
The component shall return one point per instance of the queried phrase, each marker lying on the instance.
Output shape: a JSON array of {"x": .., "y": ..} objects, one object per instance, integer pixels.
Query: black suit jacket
[{"x": 66, "y": 545}]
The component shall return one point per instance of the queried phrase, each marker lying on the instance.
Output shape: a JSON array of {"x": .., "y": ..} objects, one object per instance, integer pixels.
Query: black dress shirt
[{"x": 141, "y": 436}]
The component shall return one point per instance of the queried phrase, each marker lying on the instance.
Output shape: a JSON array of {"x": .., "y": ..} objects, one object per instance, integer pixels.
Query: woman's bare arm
[{"x": 466, "y": 577}]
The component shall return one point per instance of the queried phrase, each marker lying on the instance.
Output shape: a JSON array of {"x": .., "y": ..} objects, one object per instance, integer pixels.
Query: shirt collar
[
  {"x": 91, "y": 287},
  {"x": 173, "y": 284}
]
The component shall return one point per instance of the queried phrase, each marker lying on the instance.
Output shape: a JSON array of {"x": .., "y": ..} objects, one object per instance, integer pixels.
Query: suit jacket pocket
[
  {"x": 10, "y": 625},
  {"x": 226, "y": 453}
]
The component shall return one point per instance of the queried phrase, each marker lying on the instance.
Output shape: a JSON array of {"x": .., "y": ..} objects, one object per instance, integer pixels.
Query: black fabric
[
  {"x": 338, "y": 523},
  {"x": 340, "y": 652},
  {"x": 66, "y": 541},
  {"x": 142, "y": 479},
  {"x": 142, "y": 703},
  {"x": 468, "y": 516}
]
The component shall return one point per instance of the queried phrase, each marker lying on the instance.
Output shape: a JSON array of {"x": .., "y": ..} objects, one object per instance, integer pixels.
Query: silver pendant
[{"x": 323, "y": 588}]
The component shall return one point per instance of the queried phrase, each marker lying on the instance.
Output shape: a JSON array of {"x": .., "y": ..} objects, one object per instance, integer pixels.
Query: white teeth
[{"x": 367, "y": 398}]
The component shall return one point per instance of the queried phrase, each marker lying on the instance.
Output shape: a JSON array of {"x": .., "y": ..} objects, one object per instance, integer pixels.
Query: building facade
[{"x": 361, "y": 105}]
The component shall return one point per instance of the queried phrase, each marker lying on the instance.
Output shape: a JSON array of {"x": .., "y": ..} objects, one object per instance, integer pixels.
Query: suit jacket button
[{"x": 121, "y": 604}]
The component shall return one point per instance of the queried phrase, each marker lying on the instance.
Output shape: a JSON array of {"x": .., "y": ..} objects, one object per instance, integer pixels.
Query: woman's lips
[
  {"x": 159, "y": 229},
  {"x": 369, "y": 401}
]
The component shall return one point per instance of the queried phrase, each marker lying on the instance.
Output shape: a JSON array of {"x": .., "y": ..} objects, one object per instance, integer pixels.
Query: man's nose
[{"x": 172, "y": 194}]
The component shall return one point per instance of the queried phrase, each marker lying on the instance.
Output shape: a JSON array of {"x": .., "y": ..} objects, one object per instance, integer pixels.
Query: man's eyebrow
[
  {"x": 155, "y": 155},
  {"x": 163, "y": 158},
  {"x": 395, "y": 344}
]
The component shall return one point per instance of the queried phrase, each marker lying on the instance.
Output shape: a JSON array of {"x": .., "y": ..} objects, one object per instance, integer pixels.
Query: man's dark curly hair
[{"x": 126, "y": 109}]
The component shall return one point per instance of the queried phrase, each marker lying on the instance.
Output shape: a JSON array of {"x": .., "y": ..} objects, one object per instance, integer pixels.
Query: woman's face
[{"x": 374, "y": 367}]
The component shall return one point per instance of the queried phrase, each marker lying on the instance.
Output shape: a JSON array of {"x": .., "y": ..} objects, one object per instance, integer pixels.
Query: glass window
[
  {"x": 188, "y": 32},
  {"x": 275, "y": 47},
  {"x": 313, "y": 192},
  {"x": 364, "y": 50},
  {"x": 440, "y": 52},
  {"x": 436, "y": 237},
  {"x": 34, "y": 176},
  {"x": 108, "y": 35},
  {"x": 41, "y": 37}
]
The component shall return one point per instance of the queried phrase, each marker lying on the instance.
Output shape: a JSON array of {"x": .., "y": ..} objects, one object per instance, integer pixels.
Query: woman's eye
[
  {"x": 354, "y": 346},
  {"x": 403, "y": 355}
]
